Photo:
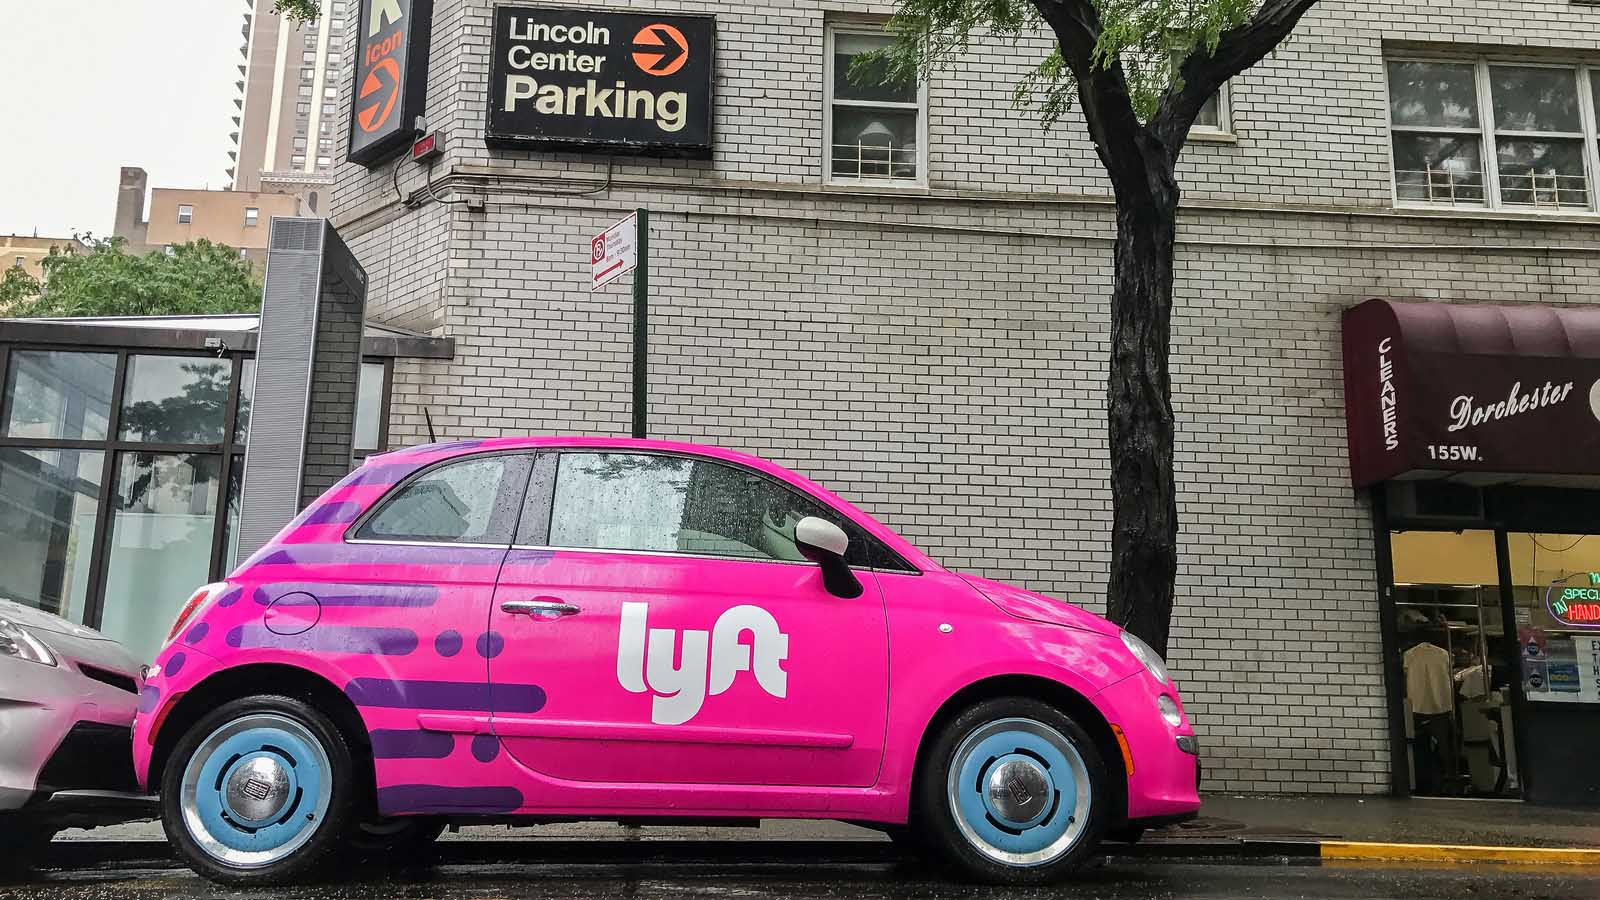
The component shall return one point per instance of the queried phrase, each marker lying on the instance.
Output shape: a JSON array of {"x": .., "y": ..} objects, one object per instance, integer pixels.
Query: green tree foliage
[
  {"x": 199, "y": 278},
  {"x": 1139, "y": 72},
  {"x": 16, "y": 286},
  {"x": 298, "y": 10}
]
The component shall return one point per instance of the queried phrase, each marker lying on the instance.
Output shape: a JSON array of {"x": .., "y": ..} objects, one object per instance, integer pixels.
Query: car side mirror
[{"x": 824, "y": 543}]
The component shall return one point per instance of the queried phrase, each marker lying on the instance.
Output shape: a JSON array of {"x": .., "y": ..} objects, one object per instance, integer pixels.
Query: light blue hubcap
[
  {"x": 256, "y": 790},
  {"x": 1019, "y": 792}
]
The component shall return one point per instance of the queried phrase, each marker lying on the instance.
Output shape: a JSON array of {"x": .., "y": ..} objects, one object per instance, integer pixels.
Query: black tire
[
  {"x": 316, "y": 841},
  {"x": 999, "y": 720},
  {"x": 406, "y": 840}
]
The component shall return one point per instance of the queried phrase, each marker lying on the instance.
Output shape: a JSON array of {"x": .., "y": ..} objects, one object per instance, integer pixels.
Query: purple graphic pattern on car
[
  {"x": 432, "y": 798},
  {"x": 401, "y": 743}
]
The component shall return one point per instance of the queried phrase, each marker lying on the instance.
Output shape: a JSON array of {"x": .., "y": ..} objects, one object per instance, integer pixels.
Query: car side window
[
  {"x": 474, "y": 501},
  {"x": 652, "y": 502}
]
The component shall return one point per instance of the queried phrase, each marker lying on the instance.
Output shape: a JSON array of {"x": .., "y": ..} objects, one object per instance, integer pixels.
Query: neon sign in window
[{"x": 1575, "y": 600}]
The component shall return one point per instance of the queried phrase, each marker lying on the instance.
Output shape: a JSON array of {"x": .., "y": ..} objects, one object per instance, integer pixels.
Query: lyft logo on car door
[{"x": 645, "y": 656}]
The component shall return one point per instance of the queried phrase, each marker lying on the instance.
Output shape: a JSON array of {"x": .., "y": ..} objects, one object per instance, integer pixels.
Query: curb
[
  {"x": 781, "y": 853},
  {"x": 1456, "y": 853}
]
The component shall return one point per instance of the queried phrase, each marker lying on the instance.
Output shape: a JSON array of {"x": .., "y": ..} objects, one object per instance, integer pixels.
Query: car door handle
[{"x": 539, "y": 609}]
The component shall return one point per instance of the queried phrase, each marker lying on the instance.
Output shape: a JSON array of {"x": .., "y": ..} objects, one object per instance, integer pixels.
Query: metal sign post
[
  {"x": 622, "y": 248},
  {"x": 641, "y": 325}
]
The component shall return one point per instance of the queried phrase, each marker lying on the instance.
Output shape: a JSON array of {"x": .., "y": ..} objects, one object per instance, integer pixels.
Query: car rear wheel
[
  {"x": 258, "y": 792},
  {"x": 1014, "y": 791}
]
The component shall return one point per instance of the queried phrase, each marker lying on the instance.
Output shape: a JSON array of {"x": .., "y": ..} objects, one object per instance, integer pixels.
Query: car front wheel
[
  {"x": 1015, "y": 792},
  {"x": 258, "y": 792}
]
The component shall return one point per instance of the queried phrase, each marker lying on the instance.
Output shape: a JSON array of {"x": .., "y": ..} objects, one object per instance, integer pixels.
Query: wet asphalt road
[{"x": 743, "y": 876}]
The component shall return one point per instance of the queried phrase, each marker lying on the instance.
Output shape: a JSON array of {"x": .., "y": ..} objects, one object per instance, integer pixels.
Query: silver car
[{"x": 68, "y": 695}]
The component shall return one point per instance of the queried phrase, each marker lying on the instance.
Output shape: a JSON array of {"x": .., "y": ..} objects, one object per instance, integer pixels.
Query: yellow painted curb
[{"x": 1458, "y": 853}]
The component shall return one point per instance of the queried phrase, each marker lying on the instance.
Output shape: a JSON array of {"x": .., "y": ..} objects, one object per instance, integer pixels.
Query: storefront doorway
[{"x": 1453, "y": 654}]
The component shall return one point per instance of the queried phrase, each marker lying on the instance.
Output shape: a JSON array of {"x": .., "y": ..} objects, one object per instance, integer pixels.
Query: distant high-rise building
[{"x": 287, "y": 125}]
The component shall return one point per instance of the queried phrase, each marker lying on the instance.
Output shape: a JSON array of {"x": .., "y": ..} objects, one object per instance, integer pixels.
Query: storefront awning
[{"x": 1499, "y": 393}]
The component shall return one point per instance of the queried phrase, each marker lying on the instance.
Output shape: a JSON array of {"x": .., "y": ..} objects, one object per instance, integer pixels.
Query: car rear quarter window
[{"x": 470, "y": 501}]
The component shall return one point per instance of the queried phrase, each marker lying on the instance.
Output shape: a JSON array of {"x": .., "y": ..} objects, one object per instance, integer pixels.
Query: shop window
[
  {"x": 876, "y": 128},
  {"x": 1492, "y": 134},
  {"x": 1555, "y": 580},
  {"x": 58, "y": 395},
  {"x": 175, "y": 399},
  {"x": 185, "y": 214}
]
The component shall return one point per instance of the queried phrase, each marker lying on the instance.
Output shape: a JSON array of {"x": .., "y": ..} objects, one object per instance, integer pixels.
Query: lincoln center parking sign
[{"x": 626, "y": 82}]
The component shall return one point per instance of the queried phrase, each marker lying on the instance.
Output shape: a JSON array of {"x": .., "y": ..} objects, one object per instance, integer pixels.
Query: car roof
[{"x": 450, "y": 449}]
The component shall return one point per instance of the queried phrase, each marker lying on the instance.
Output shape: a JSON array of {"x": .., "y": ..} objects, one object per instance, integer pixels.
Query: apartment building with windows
[
  {"x": 287, "y": 126},
  {"x": 902, "y": 291},
  {"x": 238, "y": 219}
]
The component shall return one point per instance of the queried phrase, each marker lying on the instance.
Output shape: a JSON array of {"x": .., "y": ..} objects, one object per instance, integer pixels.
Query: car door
[{"x": 679, "y": 636}]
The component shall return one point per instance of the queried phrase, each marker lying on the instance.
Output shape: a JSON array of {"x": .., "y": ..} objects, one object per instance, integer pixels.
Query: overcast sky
[{"x": 89, "y": 86}]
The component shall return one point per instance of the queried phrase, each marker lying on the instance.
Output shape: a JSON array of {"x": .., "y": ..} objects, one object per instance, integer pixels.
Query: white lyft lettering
[{"x": 645, "y": 659}]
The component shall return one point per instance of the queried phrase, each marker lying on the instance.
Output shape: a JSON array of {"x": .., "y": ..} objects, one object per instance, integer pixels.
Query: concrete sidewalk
[{"x": 1229, "y": 826}]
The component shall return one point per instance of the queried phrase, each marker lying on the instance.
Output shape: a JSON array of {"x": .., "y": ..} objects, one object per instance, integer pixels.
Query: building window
[
  {"x": 185, "y": 214},
  {"x": 324, "y": 161},
  {"x": 309, "y": 57},
  {"x": 308, "y": 75},
  {"x": 334, "y": 60},
  {"x": 298, "y": 161},
  {"x": 1216, "y": 116},
  {"x": 252, "y": 216},
  {"x": 303, "y": 109},
  {"x": 1492, "y": 134},
  {"x": 330, "y": 93},
  {"x": 19, "y": 263},
  {"x": 875, "y": 129},
  {"x": 305, "y": 90},
  {"x": 243, "y": 252},
  {"x": 328, "y": 109}
]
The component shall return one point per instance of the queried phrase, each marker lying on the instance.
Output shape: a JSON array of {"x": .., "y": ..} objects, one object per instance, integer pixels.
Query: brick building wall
[{"x": 938, "y": 355}]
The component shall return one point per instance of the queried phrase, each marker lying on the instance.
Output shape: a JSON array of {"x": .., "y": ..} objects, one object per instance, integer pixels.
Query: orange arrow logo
[{"x": 660, "y": 49}]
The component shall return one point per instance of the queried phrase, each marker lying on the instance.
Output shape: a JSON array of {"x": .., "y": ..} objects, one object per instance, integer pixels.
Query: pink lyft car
[{"x": 539, "y": 629}]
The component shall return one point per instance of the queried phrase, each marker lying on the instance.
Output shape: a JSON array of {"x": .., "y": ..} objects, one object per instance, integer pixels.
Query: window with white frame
[
  {"x": 185, "y": 214},
  {"x": 1490, "y": 133},
  {"x": 252, "y": 216},
  {"x": 876, "y": 129},
  {"x": 1215, "y": 116}
]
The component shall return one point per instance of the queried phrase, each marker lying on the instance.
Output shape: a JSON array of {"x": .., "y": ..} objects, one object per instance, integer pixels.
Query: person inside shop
[{"x": 1430, "y": 689}]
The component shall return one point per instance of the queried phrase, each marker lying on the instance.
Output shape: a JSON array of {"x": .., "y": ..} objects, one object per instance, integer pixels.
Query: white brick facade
[{"x": 939, "y": 356}]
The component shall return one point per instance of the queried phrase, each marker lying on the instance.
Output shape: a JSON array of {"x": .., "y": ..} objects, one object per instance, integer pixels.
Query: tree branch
[
  {"x": 1102, "y": 92},
  {"x": 1204, "y": 72}
]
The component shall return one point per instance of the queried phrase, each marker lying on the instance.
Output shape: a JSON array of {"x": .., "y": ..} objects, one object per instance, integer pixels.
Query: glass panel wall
[
  {"x": 118, "y": 491},
  {"x": 58, "y": 395},
  {"x": 162, "y": 526},
  {"x": 49, "y": 503}
]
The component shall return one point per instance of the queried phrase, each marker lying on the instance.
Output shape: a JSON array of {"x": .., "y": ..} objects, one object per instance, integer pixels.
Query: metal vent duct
[{"x": 308, "y": 362}]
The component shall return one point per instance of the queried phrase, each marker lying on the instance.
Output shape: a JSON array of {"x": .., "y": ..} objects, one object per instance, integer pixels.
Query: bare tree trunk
[{"x": 1144, "y": 538}]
